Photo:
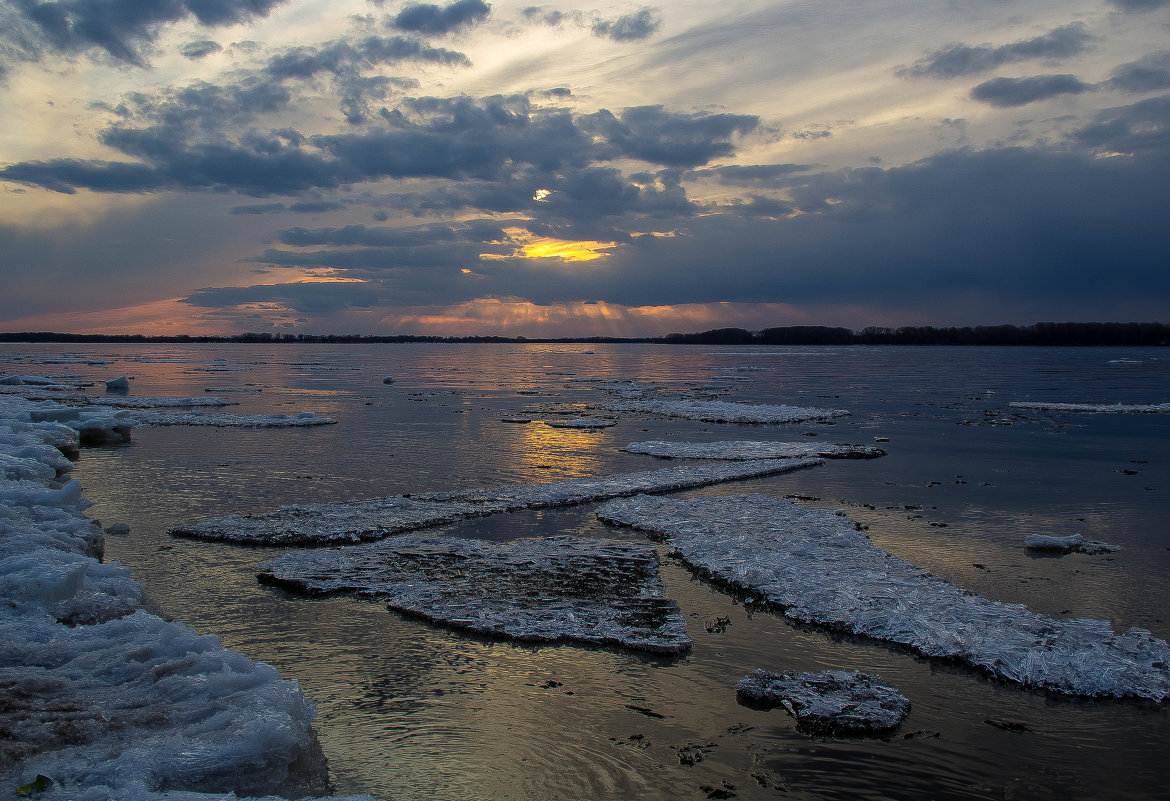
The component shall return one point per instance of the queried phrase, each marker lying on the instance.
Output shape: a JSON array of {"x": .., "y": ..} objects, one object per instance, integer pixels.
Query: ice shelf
[
  {"x": 830, "y": 702},
  {"x": 559, "y": 589},
  {"x": 748, "y": 449},
  {"x": 101, "y": 699},
  {"x": 723, "y": 411},
  {"x": 373, "y": 519},
  {"x": 819, "y": 568},
  {"x": 1101, "y": 408}
]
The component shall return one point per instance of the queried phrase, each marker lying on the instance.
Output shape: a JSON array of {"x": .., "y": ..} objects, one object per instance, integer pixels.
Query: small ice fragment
[
  {"x": 515, "y": 419},
  {"x": 121, "y": 382},
  {"x": 724, "y": 411},
  {"x": 829, "y": 702},
  {"x": 388, "y": 380},
  {"x": 118, "y": 529}
]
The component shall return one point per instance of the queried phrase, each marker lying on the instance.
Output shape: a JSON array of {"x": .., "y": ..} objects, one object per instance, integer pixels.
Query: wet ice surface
[
  {"x": 820, "y": 568},
  {"x": 1114, "y": 408},
  {"x": 747, "y": 449},
  {"x": 711, "y": 411},
  {"x": 580, "y": 422},
  {"x": 101, "y": 697},
  {"x": 558, "y": 589},
  {"x": 356, "y": 521},
  {"x": 300, "y": 420},
  {"x": 1067, "y": 544},
  {"x": 830, "y": 702}
]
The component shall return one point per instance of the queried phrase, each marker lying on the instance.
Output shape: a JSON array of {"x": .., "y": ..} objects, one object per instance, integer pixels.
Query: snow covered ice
[
  {"x": 819, "y": 568},
  {"x": 829, "y": 702},
  {"x": 1099, "y": 408},
  {"x": 724, "y": 411},
  {"x": 101, "y": 697},
  {"x": 747, "y": 449},
  {"x": 356, "y": 521},
  {"x": 553, "y": 590},
  {"x": 1066, "y": 544}
]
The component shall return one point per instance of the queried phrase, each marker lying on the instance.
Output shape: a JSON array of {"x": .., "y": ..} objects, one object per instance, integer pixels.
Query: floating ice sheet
[
  {"x": 1067, "y": 544},
  {"x": 829, "y": 702},
  {"x": 747, "y": 449},
  {"x": 579, "y": 422},
  {"x": 819, "y": 568},
  {"x": 158, "y": 418},
  {"x": 724, "y": 411},
  {"x": 1101, "y": 408},
  {"x": 160, "y": 403},
  {"x": 356, "y": 521},
  {"x": 103, "y": 698},
  {"x": 550, "y": 590}
]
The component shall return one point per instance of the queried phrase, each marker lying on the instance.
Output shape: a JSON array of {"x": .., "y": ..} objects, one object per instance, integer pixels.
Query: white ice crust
[
  {"x": 103, "y": 698},
  {"x": 580, "y": 422},
  {"x": 724, "y": 411},
  {"x": 373, "y": 519},
  {"x": 749, "y": 449},
  {"x": 558, "y": 589},
  {"x": 1067, "y": 544},
  {"x": 829, "y": 702},
  {"x": 1101, "y": 408},
  {"x": 819, "y": 568}
]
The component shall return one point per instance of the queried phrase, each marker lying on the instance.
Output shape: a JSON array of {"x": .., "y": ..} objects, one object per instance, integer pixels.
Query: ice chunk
[
  {"x": 829, "y": 702},
  {"x": 160, "y": 403},
  {"x": 1067, "y": 544},
  {"x": 746, "y": 449},
  {"x": 1103, "y": 408},
  {"x": 580, "y": 422},
  {"x": 724, "y": 411},
  {"x": 160, "y": 418},
  {"x": 558, "y": 589},
  {"x": 355, "y": 521},
  {"x": 120, "y": 383},
  {"x": 388, "y": 380},
  {"x": 819, "y": 568}
]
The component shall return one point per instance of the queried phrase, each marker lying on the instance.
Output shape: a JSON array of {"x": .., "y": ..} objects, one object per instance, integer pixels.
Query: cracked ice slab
[
  {"x": 373, "y": 519},
  {"x": 819, "y": 568},
  {"x": 724, "y": 411},
  {"x": 747, "y": 449},
  {"x": 560, "y": 589},
  {"x": 829, "y": 702},
  {"x": 1101, "y": 408}
]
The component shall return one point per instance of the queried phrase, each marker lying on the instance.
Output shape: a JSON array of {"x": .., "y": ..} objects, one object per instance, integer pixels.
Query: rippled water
[{"x": 410, "y": 710}]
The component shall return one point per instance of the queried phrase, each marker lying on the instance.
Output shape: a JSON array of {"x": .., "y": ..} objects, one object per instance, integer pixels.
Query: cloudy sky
[{"x": 379, "y": 167}]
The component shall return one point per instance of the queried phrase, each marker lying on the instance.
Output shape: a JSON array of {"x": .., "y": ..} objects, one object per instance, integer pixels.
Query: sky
[{"x": 608, "y": 169}]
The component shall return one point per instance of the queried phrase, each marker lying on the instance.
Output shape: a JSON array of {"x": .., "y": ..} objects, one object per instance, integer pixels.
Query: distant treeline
[{"x": 1083, "y": 334}]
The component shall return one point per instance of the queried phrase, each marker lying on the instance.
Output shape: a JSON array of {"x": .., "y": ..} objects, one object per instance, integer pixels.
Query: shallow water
[{"x": 410, "y": 710}]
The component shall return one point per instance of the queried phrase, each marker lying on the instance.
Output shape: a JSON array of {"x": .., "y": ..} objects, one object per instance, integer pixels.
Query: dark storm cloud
[
  {"x": 1142, "y": 128},
  {"x": 200, "y": 49},
  {"x": 1138, "y": 6},
  {"x": 436, "y": 20},
  {"x": 750, "y": 174},
  {"x": 313, "y": 298},
  {"x": 1008, "y": 92},
  {"x": 629, "y": 27},
  {"x": 961, "y": 59},
  {"x": 122, "y": 29},
  {"x": 475, "y": 231},
  {"x": 651, "y": 134},
  {"x": 1147, "y": 74}
]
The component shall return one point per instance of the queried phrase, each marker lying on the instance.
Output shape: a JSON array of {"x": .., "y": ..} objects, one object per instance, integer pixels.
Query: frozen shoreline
[{"x": 103, "y": 698}]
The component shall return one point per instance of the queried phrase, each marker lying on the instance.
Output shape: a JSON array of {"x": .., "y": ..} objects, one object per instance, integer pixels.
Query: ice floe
[
  {"x": 580, "y": 422},
  {"x": 829, "y": 702},
  {"x": 103, "y": 699},
  {"x": 819, "y": 568},
  {"x": 372, "y": 519},
  {"x": 1102, "y": 408},
  {"x": 122, "y": 382},
  {"x": 1067, "y": 544},
  {"x": 558, "y": 589},
  {"x": 747, "y": 449},
  {"x": 302, "y": 419},
  {"x": 710, "y": 411}
]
